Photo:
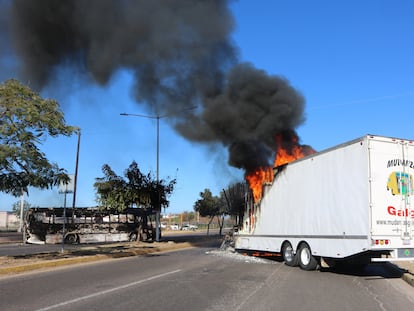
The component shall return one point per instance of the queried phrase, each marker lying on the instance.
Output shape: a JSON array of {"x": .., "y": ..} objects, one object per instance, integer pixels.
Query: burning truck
[{"x": 350, "y": 203}]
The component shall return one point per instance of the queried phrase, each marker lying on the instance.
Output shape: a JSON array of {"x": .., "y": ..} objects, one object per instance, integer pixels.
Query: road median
[{"x": 10, "y": 265}]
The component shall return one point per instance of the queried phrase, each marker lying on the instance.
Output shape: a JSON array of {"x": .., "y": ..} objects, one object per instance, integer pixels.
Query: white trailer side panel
[
  {"x": 322, "y": 199},
  {"x": 344, "y": 201}
]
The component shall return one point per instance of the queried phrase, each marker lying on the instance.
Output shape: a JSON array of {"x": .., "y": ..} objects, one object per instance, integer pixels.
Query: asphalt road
[
  {"x": 204, "y": 279},
  {"x": 17, "y": 249}
]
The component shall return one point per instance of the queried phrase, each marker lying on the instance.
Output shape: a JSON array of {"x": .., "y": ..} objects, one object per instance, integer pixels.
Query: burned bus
[{"x": 87, "y": 225}]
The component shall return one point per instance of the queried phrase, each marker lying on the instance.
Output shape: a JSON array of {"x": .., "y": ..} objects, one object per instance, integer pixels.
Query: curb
[
  {"x": 49, "y": 264},
  {"x": 409, "y": 278},
  {"x": 407, "y": 274}
]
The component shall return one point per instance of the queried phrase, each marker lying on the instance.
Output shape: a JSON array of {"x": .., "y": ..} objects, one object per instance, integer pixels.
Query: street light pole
[
  {"x": 158, "y": 210},
  {"x": 76, "y": 173},
  {"x": 157, "y": 117}
]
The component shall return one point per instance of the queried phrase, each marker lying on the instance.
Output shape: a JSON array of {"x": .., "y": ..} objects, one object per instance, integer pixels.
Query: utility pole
[{"x": 76, "y": 173}]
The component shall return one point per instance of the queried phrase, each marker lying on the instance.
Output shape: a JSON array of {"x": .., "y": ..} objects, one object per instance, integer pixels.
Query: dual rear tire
[
  {"x": 303, "y": 256},
  {"x": 289, "y": 256}
]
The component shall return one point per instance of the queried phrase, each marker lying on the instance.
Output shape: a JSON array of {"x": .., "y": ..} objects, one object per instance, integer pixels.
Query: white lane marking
[{"x": 108, "y": 291}]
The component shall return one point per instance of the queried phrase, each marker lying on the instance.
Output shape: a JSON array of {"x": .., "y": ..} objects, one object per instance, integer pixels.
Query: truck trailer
[{"x": 348, "y": 204}]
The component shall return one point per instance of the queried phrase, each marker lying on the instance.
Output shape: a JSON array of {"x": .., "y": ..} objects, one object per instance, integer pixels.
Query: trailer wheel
[
  {"x": 306, "y": 260},
  {"x": 288, "y": 255}
]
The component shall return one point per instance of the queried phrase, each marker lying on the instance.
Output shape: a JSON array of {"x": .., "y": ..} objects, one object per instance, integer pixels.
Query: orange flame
[
  {"x": 260, "y": 176},
  {"x": 257, "y": 178}
]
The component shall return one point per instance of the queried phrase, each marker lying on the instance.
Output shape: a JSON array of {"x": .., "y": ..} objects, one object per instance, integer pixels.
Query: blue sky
[{"x": 351, "y": 60}]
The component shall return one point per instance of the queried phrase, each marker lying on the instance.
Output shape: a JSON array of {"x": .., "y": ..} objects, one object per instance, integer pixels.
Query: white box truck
[{"x": 352, "y": 202}]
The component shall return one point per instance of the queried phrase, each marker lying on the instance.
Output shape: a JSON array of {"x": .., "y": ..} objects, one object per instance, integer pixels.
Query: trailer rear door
[{"x": 391, "y": 163}]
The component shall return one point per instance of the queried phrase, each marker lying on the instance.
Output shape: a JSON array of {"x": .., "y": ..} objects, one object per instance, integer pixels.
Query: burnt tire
[
  {"x": 305, "y": 258},
  {"x": 289, "y": 256},
  {"x": 71, "y": 239},
  {"x": 133, "y": 237}
]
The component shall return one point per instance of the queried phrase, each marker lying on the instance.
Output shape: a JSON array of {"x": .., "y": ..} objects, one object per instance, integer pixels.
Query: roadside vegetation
[{"x": 26, "y": 119}]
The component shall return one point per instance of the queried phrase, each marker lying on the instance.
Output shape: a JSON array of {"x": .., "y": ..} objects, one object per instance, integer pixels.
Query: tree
[
  {"x": 136, "y": 189},
  {"x": 16, "y": 208},
  {"x": 222, "y": 211},
  {"x": 111, "y": 190},
  {"x": 188, "y": 216},
  {"x": 235, "y": 196},
  {"x": 210, "y": 206},
  {"x": 26, "y": 119}
]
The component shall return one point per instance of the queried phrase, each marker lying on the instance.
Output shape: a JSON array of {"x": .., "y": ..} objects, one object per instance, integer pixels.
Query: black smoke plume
[{"x": 180, "y": 53}]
